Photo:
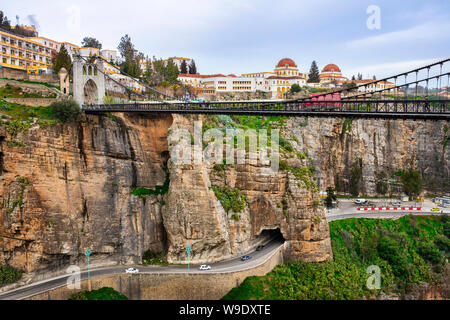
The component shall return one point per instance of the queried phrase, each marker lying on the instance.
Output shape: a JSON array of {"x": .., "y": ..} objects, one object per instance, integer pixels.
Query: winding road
[{"x": 232, "y": 265}]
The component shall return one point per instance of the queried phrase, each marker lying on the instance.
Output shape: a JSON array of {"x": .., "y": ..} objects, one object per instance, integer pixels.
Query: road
[
  {"x": 347, "y": 209},
  {"x": 232, "y": 265}
]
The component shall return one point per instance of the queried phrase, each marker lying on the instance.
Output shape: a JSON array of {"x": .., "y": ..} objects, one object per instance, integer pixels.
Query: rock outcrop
[
  {"x": 69, "y": 189},
  {"x": 384, "y": 146}
]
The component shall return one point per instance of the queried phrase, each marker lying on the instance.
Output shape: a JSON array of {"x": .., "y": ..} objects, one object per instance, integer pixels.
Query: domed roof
[
  {"x": 286, "y": 62},
  {"x": 331, "y": 68}
]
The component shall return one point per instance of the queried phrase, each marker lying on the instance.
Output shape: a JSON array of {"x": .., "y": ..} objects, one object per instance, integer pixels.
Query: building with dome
[
  {"x": 276, "y": 83},
  {"x": 331, "y": 75}
]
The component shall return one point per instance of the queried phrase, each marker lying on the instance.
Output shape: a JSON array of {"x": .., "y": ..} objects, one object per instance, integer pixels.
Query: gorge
[{"x": 107, "y": 183}]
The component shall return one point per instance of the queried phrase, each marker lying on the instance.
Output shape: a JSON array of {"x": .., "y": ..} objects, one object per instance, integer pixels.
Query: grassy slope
[
  {"x": 104, "y": 293},
  {"x": 407, "y": 250}
]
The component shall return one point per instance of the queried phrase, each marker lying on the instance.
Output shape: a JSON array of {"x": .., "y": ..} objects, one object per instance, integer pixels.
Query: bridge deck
[{"x": 403, "y": 109}]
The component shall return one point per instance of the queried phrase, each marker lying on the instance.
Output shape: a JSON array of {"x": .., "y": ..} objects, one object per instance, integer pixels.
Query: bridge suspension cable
[
  {"x": 345, "y": 93},
  {"x": 139, "y": 82}
]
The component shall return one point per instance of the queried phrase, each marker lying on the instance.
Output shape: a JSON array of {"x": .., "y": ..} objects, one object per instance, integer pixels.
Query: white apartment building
[{"x": 277, "y": 83}]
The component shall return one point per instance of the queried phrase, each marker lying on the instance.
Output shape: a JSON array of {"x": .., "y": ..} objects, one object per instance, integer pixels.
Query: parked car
[
  {"x": 396, "y": 204},
  {"x": 436, "y": 209},
  {"x": 132, "y": 270},
  {"x": 259, "y": 248},
  {"x": 245, "y": 258},
  {"x": 204, "y": 267}
]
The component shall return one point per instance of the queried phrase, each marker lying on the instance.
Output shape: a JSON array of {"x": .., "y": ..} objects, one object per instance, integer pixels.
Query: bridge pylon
[{"x": 88, "y": 81}]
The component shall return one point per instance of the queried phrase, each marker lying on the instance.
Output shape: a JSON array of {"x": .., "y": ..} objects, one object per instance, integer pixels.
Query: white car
[
  {"x": 360, "y": 201},
  {"x": 131, "y": 270},
  {"x": 204, "y": 267}
]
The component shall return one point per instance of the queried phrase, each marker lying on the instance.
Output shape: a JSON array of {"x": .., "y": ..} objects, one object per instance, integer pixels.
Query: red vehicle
[{"x": 336, "y": 96}]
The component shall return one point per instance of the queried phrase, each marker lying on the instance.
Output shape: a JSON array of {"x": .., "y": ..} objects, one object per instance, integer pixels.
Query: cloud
[
  {"x": 424, "y": 32},
  {"x": 389, "y": 69}
]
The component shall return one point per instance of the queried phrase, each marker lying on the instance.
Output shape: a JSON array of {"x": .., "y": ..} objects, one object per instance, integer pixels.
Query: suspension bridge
[{"x": 421, "y": 93}]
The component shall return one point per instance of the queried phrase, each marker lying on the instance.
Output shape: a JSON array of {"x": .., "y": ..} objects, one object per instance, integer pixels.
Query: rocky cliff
[
  {"x": 381, "y": 148},
  {"x": 96, "y": 184}
]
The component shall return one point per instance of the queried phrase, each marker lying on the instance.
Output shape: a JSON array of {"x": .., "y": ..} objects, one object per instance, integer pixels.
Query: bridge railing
[{"x": 358, "y": 105}]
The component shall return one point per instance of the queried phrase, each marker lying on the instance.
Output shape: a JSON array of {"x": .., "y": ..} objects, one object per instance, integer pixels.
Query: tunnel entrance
[{"x": 269, "y": 235}]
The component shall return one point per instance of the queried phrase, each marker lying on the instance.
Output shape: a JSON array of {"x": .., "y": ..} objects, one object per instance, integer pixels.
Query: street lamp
[{"x": 87, "y": 253}]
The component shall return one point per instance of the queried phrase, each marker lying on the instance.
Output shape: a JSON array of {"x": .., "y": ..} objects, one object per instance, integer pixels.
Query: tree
[
  {"x": 62, "y": 60},
  {"x": 412, "y": 182},
  {"x": 295, "y": 88},
  {"x": 172, "y": 71},
  {"x": 355, "y": 177},
  {"x": 353, "y": 78},
  {"x": 374, "y": 77},
  {"x": 192, "y": 67},
  {"x": 4, "y": 22},
  {"x": 360, "y": 76},
  {"x": 126, "y": 47},
  {"x": 91, "y": 43},
  {"x": 330, "y": 197},
  {"x": 131, "y": 64},
  {"x": 314, "y": 73},
  {"x": 350, "y": 85},
  {"x": 382, "y": 184},
  {"x": 184, "y": 67},
  {"x": 66, "y": 110}
]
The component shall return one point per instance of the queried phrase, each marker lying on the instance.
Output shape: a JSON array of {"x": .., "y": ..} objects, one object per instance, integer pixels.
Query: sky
[{"x": 374, "y": 37}]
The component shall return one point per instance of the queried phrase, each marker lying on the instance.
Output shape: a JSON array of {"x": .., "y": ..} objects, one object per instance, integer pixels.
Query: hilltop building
[
  {"x": 277, "y": 83},
  {"x": 331, "y": 76},
  {"x": 34, "y": 54}
]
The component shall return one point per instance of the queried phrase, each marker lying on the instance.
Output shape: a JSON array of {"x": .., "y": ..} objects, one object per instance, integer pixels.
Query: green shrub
[
  {"x": 15, "y": 143},
  {"x": 158, "y": 190},
  {"x": 443, "y": 243},
  {"x": 14, "y": 127},
  {"x": 154, "y": 258},
  {"x": 9, "y": 275},
  {"x": 66, "y": 110},
  {"x": 412, "y": 182},
  {"x": 230, "y": 198},
  {"x": 429, "y": 252},
  {"x": 105, "y": 293}
]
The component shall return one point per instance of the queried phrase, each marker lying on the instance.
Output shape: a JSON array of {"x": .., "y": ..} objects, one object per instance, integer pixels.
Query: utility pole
[
  {"x": 188, "y": 251},
  {"x": 87, "y": 253}
]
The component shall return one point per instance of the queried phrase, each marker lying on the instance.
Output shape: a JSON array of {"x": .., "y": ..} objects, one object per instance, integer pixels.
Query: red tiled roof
[
  {"x": 331, "y": 68},
  {"x": 286, "y": 61}
]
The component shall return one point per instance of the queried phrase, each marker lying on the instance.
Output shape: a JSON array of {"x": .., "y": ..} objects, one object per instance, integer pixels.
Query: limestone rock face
[
  {"x": 69, "y": 189},
  {"x": 383, "y": 145},
  {"x": 194, "y": 216}
]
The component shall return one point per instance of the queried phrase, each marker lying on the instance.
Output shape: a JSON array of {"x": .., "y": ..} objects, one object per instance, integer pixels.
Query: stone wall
[
  {"x": 32, "y": 102},
  {"x": 23, "y": 75}
]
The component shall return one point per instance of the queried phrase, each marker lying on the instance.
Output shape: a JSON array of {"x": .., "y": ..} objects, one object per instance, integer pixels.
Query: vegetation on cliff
[
  {"x": 9, "y": 275},
  {"x": 230, "y": 198},
  {"x": 409, "y": 250},
  {"x": 19, "y": 118},
  {"x": 158, "y": 190},
  {"x": 105, "y": 293},
  {"x": 66, "y": 110}
]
